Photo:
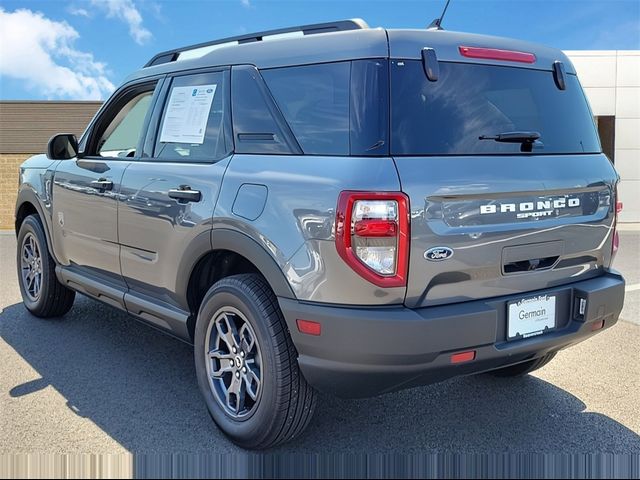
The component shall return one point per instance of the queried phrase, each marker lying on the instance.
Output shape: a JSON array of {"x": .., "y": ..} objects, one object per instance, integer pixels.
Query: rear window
[{"x": 448, "y": 116}]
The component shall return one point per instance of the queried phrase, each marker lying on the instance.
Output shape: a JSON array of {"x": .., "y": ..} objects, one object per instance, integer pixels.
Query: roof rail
[{"x": 338, "y": 26}]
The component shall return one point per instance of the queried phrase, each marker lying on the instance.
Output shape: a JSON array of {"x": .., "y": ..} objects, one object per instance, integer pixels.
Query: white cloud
[
  {"x": 126, "y": 11},
  {"x": 40, "y": 52},
  {"x": 246, "y": 3},
  {"x": 78, "y": 12}
]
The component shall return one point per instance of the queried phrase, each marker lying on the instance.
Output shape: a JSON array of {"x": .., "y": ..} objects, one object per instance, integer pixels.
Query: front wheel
[
  {"x": 42, "y": 293},
  {"x": 247, "y": 366}
]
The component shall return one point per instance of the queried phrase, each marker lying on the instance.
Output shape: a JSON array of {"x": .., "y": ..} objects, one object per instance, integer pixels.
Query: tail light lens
[
  {"x": 372, "y": 235},
  {"x": 616, "y": 238}
]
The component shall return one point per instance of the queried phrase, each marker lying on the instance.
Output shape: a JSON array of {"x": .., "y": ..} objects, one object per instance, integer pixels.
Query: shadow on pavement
[{"x": 139, "y": 387}]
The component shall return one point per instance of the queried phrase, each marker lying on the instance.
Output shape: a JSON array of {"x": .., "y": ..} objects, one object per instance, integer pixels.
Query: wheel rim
[
  {"x": 31, "y": 267},
  {"x": 234, "y": 362}
]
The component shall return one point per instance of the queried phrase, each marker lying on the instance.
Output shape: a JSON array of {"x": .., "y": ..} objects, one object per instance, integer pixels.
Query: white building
[{"x": 611, "y": 80}]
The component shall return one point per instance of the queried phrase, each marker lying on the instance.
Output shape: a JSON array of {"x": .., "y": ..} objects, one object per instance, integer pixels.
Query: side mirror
[{"x": 62, "y": 146}]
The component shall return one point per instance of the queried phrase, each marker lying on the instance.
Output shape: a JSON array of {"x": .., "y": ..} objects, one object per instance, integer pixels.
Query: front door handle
[
  {"x": 102, "y": 184},
  {"x": 185, "y": 194}
]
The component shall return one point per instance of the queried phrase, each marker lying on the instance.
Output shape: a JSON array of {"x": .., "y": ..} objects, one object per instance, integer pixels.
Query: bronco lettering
[{"x": 535, "y": 207}]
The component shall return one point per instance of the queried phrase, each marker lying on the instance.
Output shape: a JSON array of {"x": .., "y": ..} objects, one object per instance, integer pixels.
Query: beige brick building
[
  {"x": 25, "y": 128},
  {"x": 8, "y": 184}
]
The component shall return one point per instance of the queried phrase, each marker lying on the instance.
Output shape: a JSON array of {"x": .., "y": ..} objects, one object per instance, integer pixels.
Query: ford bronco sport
[{"x": 333, "y": 207}]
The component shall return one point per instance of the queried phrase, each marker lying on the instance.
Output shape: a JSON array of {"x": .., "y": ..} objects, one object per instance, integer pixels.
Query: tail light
[
  {"x": 616, "y": 238},
  {"x": 372, "y": 235}
]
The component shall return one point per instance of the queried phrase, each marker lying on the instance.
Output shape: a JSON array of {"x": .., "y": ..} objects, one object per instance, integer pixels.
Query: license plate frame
[{"x": 531, "y": 316}]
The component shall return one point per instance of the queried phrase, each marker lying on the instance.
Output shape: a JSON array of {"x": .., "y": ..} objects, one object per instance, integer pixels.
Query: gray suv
[{"x": 337, "y": 208}]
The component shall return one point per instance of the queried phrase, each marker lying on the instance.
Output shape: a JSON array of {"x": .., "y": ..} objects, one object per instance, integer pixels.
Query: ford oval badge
[{"x": 437, "y": 254}]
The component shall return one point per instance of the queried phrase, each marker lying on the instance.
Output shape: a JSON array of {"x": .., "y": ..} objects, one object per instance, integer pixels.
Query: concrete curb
[{"x": 629, "y": 227}]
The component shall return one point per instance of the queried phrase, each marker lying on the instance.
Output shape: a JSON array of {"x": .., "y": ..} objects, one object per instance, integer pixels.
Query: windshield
[{"x": 469, "y": 101}]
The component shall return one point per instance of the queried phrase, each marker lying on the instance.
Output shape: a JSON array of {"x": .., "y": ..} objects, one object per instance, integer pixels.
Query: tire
[
  {"x": 284, "y": 402},
  {"x": 51, "y": 299},
  {"x": 521, "y": 369}
]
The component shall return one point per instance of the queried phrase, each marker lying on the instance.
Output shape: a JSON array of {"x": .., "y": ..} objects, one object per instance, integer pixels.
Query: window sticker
[{"x": 185, "y": 120}]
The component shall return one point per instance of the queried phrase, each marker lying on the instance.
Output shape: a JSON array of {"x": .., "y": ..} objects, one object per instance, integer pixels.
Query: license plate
[{"x": 531, "y": 316}]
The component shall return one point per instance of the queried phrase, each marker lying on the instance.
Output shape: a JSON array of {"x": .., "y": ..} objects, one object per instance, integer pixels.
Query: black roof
[
  {"x": 312, "y": 29},
  {"x": 340, "y": 41}
]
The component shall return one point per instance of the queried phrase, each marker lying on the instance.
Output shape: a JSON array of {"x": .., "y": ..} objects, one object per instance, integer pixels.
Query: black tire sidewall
[
  {"x": 32, "y": 225},
  {"x": 252, "y": 429}
]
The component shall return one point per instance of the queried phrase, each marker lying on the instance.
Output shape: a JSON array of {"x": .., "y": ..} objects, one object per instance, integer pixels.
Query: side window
[
  {"x": 192, "y": 126},
  {"x": 369, "y": 107},
  {"x": 120, "y": 137},
  {"x": 258, "y": 126},
  {"x": 314, "y": 100}
]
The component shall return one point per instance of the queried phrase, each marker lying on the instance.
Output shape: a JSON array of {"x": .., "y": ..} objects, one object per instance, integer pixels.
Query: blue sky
[{"x": 82, "y": 49}]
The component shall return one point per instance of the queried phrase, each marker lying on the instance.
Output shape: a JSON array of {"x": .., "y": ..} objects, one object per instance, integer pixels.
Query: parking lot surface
[{"x": 96, "y": 381}]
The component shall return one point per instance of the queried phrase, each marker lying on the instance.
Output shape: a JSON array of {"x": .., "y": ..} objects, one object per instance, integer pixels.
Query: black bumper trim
[{"x": 366, "y": 351}]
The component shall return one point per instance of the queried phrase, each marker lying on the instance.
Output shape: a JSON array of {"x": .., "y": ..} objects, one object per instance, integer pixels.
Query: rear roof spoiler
[{"x": 338, "y": 26}]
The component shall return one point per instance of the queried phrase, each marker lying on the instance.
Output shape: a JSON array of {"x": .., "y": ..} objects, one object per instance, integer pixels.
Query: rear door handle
[
  {"x": 185, "y": 194},
  {"x": 102, "y": 184}
]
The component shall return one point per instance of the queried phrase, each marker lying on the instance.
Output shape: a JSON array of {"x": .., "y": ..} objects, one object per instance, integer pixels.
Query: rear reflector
[
  {"x": 309, "y": 327},
  {"x": 497, "y": 54},
  {"x": 597, "y": 325},
  {"x": 463, "y": 356},
  {"x": 619, "y": 207}
]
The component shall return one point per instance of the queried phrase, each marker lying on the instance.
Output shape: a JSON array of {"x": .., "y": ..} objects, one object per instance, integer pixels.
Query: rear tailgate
[
  {"x": 509, "y": 191},
  {"x": 547, "y": 221}
]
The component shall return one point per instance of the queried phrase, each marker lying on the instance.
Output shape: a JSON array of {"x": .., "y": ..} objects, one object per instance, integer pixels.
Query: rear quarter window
[
  {"x": 314, "y": 101},
  {"x": 448, "y": 116}
]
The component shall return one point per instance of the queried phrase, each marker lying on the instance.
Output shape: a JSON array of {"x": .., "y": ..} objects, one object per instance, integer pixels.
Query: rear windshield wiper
[
  {"x": 512, "y": 137},
  {"x": 525, "y": 139}
]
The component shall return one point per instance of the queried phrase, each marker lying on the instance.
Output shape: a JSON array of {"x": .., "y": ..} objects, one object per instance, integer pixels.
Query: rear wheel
[
  {"x": 247, "y": 366},
  {"x": 523, "y": 368},
  {"x": 42, "y": 293}
]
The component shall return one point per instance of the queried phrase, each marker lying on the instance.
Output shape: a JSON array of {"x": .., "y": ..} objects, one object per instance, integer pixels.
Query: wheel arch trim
[{"x": 242, "y": 244}]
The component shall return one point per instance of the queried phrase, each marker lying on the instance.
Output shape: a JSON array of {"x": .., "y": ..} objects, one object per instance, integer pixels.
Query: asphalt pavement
[{"x": 96, "y": 381}]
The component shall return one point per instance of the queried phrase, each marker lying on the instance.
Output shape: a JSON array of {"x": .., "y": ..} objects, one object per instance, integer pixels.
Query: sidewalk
[{"x": 629, "y": 227}]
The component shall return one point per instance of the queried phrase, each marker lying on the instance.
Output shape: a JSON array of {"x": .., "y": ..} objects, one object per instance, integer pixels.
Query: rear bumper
[{"x": 367, "y": 351}]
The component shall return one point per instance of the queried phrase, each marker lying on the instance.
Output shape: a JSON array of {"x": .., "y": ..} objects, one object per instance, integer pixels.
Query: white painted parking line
[{"x": 631, "y": 288}]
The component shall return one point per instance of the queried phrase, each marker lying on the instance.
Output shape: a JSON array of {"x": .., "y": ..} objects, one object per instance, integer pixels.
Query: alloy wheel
[
  {"x": 233, "y": 362},
  {"x": 31, "y": 267}
]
